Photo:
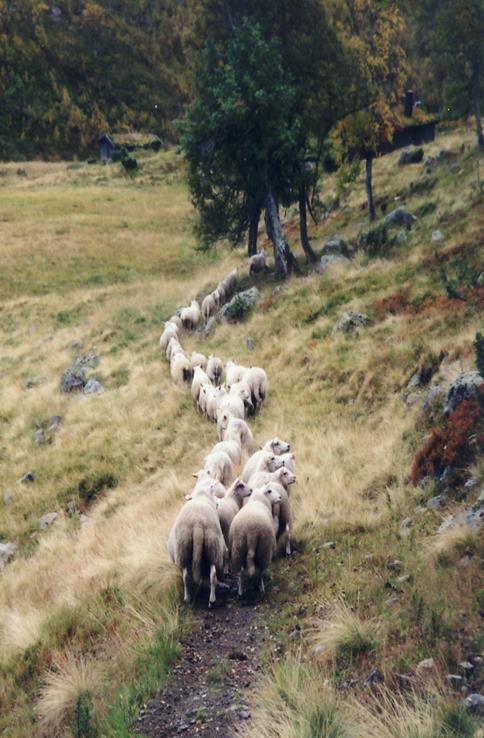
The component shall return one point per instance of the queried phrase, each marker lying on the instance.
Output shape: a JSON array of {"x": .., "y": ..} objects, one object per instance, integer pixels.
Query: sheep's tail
[
  {"x": 251, "y": 561},
  {"x": 197, "y": 553},
  {"x": 187, "y": 374}
]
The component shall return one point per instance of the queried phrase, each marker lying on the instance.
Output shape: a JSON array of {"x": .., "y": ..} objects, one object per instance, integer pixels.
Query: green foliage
[
  {"x": 90, "y": 486},
  {"x": 377, "y": 241},
  {"x": 238, "y": 308},
  {"x": 479, "y": 352},
  {"x": 427, "y": 208},
  {"x": 83, "y": 723},
  {"x": 130, "y": 164}
]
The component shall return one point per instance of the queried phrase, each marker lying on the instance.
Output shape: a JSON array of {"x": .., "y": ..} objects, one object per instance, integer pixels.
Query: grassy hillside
[{"x": 93, "y": 261}]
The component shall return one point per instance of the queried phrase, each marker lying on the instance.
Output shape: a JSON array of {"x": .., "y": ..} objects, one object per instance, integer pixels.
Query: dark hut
[
  {"x": 106, "y": 147},
  {"x": 411, "y": 134}
]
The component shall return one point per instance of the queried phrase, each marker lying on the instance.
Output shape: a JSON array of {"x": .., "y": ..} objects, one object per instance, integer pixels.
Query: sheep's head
[
  {"x": 241, "y": 489},
  {"x": 273, "y": 463},
  {"x": 286, "y": 476},
  {"x": 279, "y": 447},
  {"x": 272, "y": 494}
]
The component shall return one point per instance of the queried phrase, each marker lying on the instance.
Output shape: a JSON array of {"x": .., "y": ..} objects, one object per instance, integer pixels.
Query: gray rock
[
  {"x": 437, "y": 236},
  {"x": 474, "y": 703},
  {"x": 53, "y": 424},
  {"x": 77, "y": 345},
  {"x": 93, "y": 387},
  {"x": 351, "y": 322},
  {"x": 39, "y": 436},
  {"x": 480, "y": 279},
  {"x": 437, "y": 502},
  {"x": 86, "y": 360},
  {"x": 71, "y": 508},
  {"x": 446, "y": 478},
  {"x": 412, "y": 399},
  {"x": 374, "y": 676},
  {"x": 326, "y": 262},
  {"x": 8, "y": 498},
  {"x": 27, "y": 478},
  {"x": 210, "y": 325},
  {"x": 401, "y": 237},
  {"x": 425, "y": 666},
  {"x": 395, "y": 565},
  {"x": 466, "y": 386},
  {"x": 7, "y": 552},
  {"x": 334, "y": 245},
  {"x": 404, "y": 527},
  {"x": 329, "y": 544},
  {"x": 240, "y": 304},
  {"x": 466, "y": 667},
  {"x": 391, "y": 601},
  {"x": 244, "y": 714},
  {"x": 403, "y": 579},
  {"x": 471, "y": 519},
  {"x": 399, "y": 218},
  {"x": 249, "y": 343},
  {"x": 455, "y": 680},
  {"x": 73, "y": 380},
  {"x": 429, "y": 160},
  {"x": 46, "y": 520},
  {"x": 34, "y": 382}
]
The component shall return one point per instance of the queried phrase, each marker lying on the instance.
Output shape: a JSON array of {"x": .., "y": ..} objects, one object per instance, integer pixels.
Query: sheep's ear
[
  {"x": 293, "y": 456},
  {"x": 188, "y": 497},
  {"x": 195, "y": 475}
]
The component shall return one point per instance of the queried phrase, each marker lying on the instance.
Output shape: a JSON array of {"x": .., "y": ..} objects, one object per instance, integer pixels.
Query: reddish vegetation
[
  {"x": 453, "y": 445},
  {"x": 394, "y": 304},
  {"x": 399, "y": 303}
]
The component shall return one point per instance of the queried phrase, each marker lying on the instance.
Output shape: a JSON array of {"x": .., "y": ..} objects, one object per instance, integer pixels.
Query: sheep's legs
[
  {"x": 186, "y": 593},
  {"x": 213, "y": 585},
  {"x": 239, "y": 583},
  {"x": 288, "y": 541}
]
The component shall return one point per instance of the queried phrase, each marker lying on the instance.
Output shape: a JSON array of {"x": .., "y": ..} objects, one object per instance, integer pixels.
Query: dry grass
[{"x": 340, "y": 634}]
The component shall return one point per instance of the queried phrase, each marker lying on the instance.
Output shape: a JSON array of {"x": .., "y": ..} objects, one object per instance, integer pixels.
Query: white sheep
[
  {"x": 219, "y": 465},
  {"x": 198, "y": 359},
  {"x": 277, "y": 446},
  {"x": 232, "y": 447},
  {"x": 258, "y": 262},
  {"x": 213, "y": 400},
  {"x": 289, "y": 461},
  {"x": 170, "y": 331},
  {"x": 229, "y": 506},
  {"x": 180, "y": 368},
  {"x": 232, "y": 405},
  {"x": 220, "y": 294},
  {"x": 206, "y": 482},
  {"x": 242, "y": 389},
  {"x": 209, "y": 306},
  {"x": 174, "y": 346},
  {"x": 203, "y": 394},
  {"x": 199, "y": 378},
  {"x": 252, "y": 541},
  {"x": 283, "y": 475},
  {"x": 177, "y": 321},
  {"x": 234, "y": 373},
  {"x": 235, "y": 429},
  {"x": 190, "y": 316},
  {"x": 274, "y": 447},
  {"x": 231, "y": 281},
  {"x": 214, "y": 369},
  {"x": 256, "y": 380},
  {"x": 261, "y": 461},
  {"x": 196, "y": 544},
  {"x": 282, "y": 516}
]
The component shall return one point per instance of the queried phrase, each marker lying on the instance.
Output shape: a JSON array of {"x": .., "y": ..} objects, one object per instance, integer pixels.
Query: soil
[{"x": 219, "y": 661}]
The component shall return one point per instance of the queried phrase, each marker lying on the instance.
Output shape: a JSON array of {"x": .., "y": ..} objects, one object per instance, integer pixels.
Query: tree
[
  {"x": 237, "y": 136},
  {"x": 450, "y": 33},
  {"x": 374, "y": 30}
]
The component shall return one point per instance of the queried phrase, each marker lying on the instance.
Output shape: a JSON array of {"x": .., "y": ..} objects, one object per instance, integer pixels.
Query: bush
[
  {"x": 453, "y": 445},
  {"x": 119, "y": 154},
  {"x": 238, "y": 309},
  {"x": 130, "y": 163},
  {"x": 479, "y": 351},
  {"x": 377, "y": 242},
  {"x": 426, "y": 209},
  {"x": 413, "y": 156}
]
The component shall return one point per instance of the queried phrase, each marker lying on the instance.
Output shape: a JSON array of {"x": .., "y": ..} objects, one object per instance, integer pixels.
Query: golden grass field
[{"x": 94, "y": 261}]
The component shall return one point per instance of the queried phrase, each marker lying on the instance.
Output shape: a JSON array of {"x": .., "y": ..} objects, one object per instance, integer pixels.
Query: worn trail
[{"x": 207, "y": 690}]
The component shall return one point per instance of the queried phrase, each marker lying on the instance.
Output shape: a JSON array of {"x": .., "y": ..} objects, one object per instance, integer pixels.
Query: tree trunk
[
  {"x": 303, "y": 225},
  {"x": 477, "y": 110},
  {"x": 283, "y": 256},
  {"x": 369, "y": 187},
  {"x": 253, "y": 229}
]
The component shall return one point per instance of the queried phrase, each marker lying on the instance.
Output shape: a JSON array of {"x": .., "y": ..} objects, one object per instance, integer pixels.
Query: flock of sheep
[{"x": 228, "y": 521}]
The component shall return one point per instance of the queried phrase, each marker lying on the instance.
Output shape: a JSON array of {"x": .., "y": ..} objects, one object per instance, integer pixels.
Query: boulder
[
  {"x": 351, "y": 322},
  {"x": 326, "y": 262},
  {"x": 93, "y": 387},
  {"x": 240, "y": 305},
  {"x": 46, "y": 520},
  {"x": 7, "y": 552},
  {"x": 466, "y": 386},
  {"x": 399, "y": 218},
  {"x": 437, "y": 236},
  {"x": 40, "y": 437},
  {"x": 472, "y": 519},
  {"x": 474, "y": 703},
  {"x": 437, "y": 502},
  {"x": 404, "y": 527},
  {"x": 73, "y": 380},
  {"x": 334, "y": 245},
  {"x": 86, "y": 360}
]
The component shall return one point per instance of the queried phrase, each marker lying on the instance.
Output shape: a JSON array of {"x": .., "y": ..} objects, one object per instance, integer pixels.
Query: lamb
[
  {"x": 229, "y": 506},
  {"x": 213, "y": 400},
  {"x": 205, "y": 481},
  {"x": 252, "y": 541},
  {"x": 235, "y": 429},
  {"x": 277, "y": 447},
  {"x": 174, "y": 347},
  {"x": 198, "y": 359},
  {"x": 180, "y": 368},
  {"x": 232, "y": 405},
  {"x": 242, "y": 390},
  {"x": 232, "y": 448},
  {"x": 214, "y": 369},
  {"x": 234, "y": 373},
  {"x": 261, "y": 461},
  {"x": 196, "y": 544},
  {"x": 177, "y": 321},
  {"x": 256, "y": 380},
  {"x": 209, "y": 306},
  {"x": 258, "y": 262},
  {"x": 190, "y": 316},
  {"x": 282, "y": 517},
  {"x": 219, "y": 465},
  {"x": 284, "y": 476},
  {"x": 203, "y": 397},
  {"x": 289, "y": 461},
  {"x": 171, "y": 331},
  {"x": 199, "y": 378}
]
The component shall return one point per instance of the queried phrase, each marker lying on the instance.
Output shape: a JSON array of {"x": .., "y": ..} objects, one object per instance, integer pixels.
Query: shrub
[
  {"x": 426, "y": 209},
  {"x": 453, "y": 445},
  {"x": 479, "y": 351},
  {"x": 394, "y": 304},
  {"x": 130, "y": 163},
  {"x": 90, "y": 487},
  {"x": 377, "y": 242},
  {"x": 239, "y": 307}
]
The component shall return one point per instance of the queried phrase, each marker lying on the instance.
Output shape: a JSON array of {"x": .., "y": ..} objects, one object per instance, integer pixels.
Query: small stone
[
  {"x": 329, "y": 545},
  {"x": 73, "y": 380},
  {"x": 455, "y": 680},
  {"x": 470, "y": 485},
  {"x": 77, "y": 345},
  {"x": 71, "y": 508},
  {"x": 39, "y": 436},
  {"x": 404, "y": 681},
  {"x": 334, "y": 245},
  {"x": 412, "y": 399},
  {"x": 420, "y": 509},
  {"x": 437, "y": 236},
  {"x": 8, "y": 498},
  {"x": 28, "y": 478},
  {"x": 391, "y": 601},
  {"x": 399, "y": 217},
  {"x": 425, "y": 666},
  {"x": 404, "y": 578},
  {"x": 83, "y": 519},
  {"x": 351, "y": 322},
  {"x": 374, "y": 676},
  {"x": 395, "y": 565},
  {"x": 404, "y": 527},
  {"x": 210, "y": 325},
  {"x": 86, "y": 360},
  {"x": 466, "y": 666},
  {"x": 249, "y": 344},
  {"x": 93, "y": 387},
  {"x": 53, "y": 423},
  {"x": 244, "y": 714},
  {"x": 48, "y": 519},
  {"x": 34, "y": 382},
  {"x": 7, "y": 552},
  {"x": 474, "y": 703},
  {"x": 437, "y": 502}
]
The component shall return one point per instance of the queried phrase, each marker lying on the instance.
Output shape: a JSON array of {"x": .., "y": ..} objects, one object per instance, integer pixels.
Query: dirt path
[{"x": 218, "y": 663}]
